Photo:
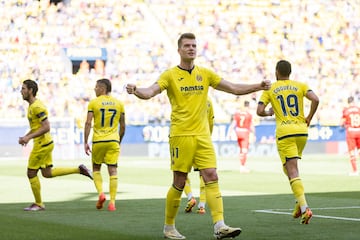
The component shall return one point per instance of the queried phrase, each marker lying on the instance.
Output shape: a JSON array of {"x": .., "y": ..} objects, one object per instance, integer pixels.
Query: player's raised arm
[
  {"x": 143, "y": 93},
  {"x": 242, "y": 89}
]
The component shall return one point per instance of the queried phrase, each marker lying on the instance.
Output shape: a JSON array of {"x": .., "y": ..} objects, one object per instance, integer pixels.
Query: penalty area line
[{"x": 318, "y": 216}]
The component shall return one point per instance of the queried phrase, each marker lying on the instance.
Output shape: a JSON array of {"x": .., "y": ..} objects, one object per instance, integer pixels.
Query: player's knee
[
  {"x": 244, "y": 150},
  {"x": 209, "y": 175},
  {"x": 31, "y": 173},
  {"x": 47, "y": 175}
]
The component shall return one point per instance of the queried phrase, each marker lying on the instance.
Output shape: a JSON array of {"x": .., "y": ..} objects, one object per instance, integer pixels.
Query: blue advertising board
[{"x": 159, "y": 134}]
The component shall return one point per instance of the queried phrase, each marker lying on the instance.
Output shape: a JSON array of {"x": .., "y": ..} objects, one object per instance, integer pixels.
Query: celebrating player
[
  {"x": 190, "y": 142},
  {"x": 286, "y": 98}
]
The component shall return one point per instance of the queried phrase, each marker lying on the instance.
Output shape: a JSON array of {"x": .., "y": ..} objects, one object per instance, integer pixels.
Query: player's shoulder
[
  {"x": 289, "y": 85},
  {"x": 94, "y": 100},
  {"x": 111, "y": 98},
  {"x": 38, "y": 104},
  {"x": 203, "y": 69},
  {"x": 117, "y": 102},
  {"x": 199, "y": 67},
  {"x": 167, "y": 75}
]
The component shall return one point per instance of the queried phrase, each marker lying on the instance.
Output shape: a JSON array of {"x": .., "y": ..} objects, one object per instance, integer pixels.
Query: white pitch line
[
  {"x": 335, "y": 208},
  {"x": 318, "y": 216},
  {"x": 324, "y": 208},
  {"x": 338, "y": 218}
]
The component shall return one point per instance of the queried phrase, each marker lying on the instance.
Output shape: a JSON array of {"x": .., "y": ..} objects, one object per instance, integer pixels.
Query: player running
[{"x": 286, "y": 98}]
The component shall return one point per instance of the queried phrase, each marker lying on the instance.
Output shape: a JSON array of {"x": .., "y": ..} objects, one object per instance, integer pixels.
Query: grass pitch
[{"x": 259, "y": 202}]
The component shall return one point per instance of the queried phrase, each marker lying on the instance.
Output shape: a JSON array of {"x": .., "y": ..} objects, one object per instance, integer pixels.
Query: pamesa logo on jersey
[{"x": 192, "y": 88}]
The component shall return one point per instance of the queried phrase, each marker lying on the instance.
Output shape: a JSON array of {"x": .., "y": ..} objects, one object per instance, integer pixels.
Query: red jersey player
[
  {"x": 242, "y": 124},
  {"x": 351, "y": 122}
]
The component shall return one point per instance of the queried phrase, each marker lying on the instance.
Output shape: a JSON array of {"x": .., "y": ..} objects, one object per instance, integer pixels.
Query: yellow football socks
[
  {"x": 36, "y": 189},
  {"x": 64, "y": 171},
  {"x": 98, "y": 181},
  {"x": 298, "y": 190},
  {"x": 113, "y": 185},
  {"x": 214, "y": 200},
  {"x": 202, "y": 197},
  {"x": 172, "y": 204},
  {"x": 187, "y": 187}
]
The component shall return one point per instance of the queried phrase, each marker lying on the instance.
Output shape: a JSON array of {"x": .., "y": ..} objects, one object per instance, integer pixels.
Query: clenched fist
[{"x": 130, "y": 88}]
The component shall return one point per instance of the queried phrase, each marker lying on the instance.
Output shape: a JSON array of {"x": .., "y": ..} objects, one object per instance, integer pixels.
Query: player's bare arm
[
  {"x": 45, "y": 127},
  {"x": 260, "y": 111},
  {"x": 87, "y": 129},
  {"x": 242, "y": 89},
  {"x": 313, "y": 107},
  {"x": 143, "y": 93},
  {"x": 122, "y": 126}
]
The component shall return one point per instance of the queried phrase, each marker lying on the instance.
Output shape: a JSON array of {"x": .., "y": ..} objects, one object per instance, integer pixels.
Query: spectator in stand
[{"x": 321, "y": 47}]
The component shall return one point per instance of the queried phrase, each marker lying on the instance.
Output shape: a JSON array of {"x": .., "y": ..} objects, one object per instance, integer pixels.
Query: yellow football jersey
[
  {"x": 107, "y": 111},
  {"x": 286, "y": 98},
  {"x": 188, "y": 92},
  {"x": 37, "y": 112}
]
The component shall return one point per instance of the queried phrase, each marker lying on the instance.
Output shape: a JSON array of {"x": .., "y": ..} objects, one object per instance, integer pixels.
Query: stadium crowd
[{"x": 239, "y": 39}]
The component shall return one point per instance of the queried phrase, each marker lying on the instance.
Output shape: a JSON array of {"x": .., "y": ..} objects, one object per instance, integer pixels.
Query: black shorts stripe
[
  {"x": 294, "y": 135},
  {"x": 47, "y": 144},
  {"x": 106, "y": 141}
]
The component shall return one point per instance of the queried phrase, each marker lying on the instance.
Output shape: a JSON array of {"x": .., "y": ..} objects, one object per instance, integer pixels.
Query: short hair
[
  {"x": 284, "y": 68},
  {"x": 246, "y": 103},
  {"x": 350, "y": 99},
  {"x": 31, "y": 84},
  {"x": 106, "y": 82},
  {"x": 185, "y": 36}
]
